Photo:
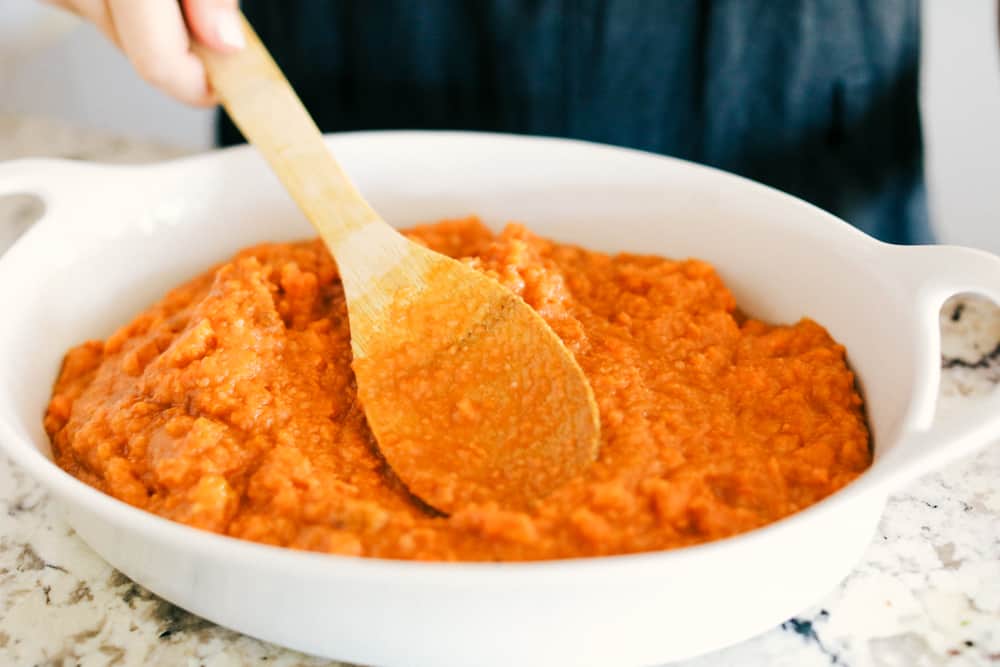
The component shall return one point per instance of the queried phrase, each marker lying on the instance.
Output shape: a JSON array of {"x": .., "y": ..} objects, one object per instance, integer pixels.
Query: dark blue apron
[{"x": 815, "y": 97}]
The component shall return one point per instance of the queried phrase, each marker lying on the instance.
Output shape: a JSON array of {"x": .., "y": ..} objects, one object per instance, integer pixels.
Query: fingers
[
  {"x": 154, "y": 36},
  {"x": 215, "y": 23}
]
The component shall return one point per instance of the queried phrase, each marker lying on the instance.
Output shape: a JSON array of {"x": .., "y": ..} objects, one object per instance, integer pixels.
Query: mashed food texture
[{"x": 231, "y": 406}]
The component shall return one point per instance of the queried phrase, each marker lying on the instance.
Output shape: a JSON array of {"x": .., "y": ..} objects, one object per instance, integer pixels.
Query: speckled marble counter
[{"x": 926, "y": 593}]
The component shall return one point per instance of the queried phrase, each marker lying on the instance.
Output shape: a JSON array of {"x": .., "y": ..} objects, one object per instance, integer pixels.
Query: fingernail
[{"x": 228, "y": 29}]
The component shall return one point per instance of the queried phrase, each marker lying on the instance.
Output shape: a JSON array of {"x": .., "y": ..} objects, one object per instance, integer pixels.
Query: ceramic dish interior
[{"x": 113, "y": 239}]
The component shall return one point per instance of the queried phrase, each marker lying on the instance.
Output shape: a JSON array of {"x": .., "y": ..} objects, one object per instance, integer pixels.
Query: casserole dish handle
[
  {"x": 934, "y": 274},
  {"x": 42, "y": 177}
]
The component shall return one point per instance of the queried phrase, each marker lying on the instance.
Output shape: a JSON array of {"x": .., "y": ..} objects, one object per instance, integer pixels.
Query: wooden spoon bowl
[{"x": 471, "y": 396}]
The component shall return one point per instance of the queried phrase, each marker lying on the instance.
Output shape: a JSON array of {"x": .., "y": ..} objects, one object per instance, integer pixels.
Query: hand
[{"x": 154, "y": 36}]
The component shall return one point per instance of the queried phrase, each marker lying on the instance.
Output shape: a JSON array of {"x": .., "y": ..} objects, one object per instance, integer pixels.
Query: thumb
[{"x": 215, "y": 23}]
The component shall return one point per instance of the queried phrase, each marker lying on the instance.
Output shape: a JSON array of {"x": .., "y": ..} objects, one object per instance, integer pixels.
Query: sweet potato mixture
[{"x": 230, "y": 405}]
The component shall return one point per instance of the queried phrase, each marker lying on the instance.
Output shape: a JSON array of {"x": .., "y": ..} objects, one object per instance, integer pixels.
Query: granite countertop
[{"x": 926, "y": 593}]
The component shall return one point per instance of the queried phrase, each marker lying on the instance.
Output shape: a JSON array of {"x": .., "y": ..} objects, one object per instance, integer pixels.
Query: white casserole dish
[{"x": 114, "y": 239}]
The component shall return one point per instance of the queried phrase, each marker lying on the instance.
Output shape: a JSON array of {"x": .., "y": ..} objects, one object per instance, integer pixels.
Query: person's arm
[{"x": 154, "y": 36}]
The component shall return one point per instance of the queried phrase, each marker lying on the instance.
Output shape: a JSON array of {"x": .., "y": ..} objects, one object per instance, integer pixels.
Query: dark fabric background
[{"x": 815, "y": 97}]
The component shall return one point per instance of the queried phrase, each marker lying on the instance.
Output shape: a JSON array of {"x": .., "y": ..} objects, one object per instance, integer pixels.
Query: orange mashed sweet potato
[{"x": 230, "y": 405}]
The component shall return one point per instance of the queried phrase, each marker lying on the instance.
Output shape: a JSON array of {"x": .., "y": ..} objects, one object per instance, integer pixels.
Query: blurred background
[{"x": 51, "y": 66}]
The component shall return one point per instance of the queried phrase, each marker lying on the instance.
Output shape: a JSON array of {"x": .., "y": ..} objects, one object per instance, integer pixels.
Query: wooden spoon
[{"x": 471, "y": 396}]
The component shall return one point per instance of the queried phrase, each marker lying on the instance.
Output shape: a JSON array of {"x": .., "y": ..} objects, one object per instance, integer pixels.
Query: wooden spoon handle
[{"x": 270, "y": 115}]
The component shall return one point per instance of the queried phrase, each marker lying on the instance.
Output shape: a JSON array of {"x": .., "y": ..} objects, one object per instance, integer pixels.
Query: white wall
[
  {"x": 79, "y": 77},
  {"x": 961, "y": 113},
  {"x": 83, "y": 80}
]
